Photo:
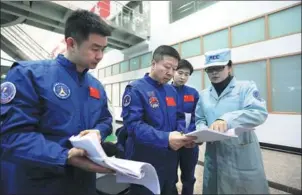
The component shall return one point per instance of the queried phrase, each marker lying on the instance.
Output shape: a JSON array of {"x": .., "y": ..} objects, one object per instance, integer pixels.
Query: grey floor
[{"x": 280, "y": 167}]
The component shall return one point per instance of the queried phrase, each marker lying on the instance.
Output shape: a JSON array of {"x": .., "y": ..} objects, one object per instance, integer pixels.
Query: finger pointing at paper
[{"x": 219, "y": 125}]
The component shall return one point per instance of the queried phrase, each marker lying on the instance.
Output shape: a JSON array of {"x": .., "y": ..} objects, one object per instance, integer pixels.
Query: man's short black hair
[
  {"x": 81, "y": 23},
  {"x": 165, "y": 50},
  {"x": 185, "y": 64}
]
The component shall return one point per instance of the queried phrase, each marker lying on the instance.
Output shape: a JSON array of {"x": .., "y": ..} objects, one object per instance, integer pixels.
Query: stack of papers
[
  {"x": 127, "y": 171},
  {"x": 207, "y": 135}
]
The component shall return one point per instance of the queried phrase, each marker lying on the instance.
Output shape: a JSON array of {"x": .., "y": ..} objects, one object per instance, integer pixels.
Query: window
[
  {"x": 124, "y": 66},
  {"x": 286, "y": 84},
  {"x": 146, "y": 60},
  {"x": 115, "y": 69},
  {"x": 207, "y": 82},
  {"x": 248, "y": 32},
  {"x": 254, "y": 71},
  {"x": 285, "y": 22},
  {"x": 191, "y": 48},
  {"x": 195, "y": 80},
  {"x": 134, "y": 63},
  {"x": 108, "y": 71},
  {"x": 115, "y": 94},
  {"x": 122, "y": 90},
  {"x": 182, "y": 8},
  {"x": 204, "y": 4},
  {"x": 108, "y": 91},
  {"x": 216, "y": 40},
  {"x": 101, "y": 73},
  {"x": 175, "y": 47}
]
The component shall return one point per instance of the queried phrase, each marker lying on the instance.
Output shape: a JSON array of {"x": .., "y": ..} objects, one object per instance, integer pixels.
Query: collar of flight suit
[
  {"x": 66, "y": 63},
  {"x": 152, "y": 81},
  {"x": 71, "y": 69}
]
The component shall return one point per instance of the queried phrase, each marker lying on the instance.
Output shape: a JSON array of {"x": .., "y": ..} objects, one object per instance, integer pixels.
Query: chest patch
[
  {"x": 61, "y": 90},
  {"x": 153, "y": 101}
]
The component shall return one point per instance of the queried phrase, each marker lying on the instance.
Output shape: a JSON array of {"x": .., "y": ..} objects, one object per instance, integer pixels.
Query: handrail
[{"x": 24, "y": 42}]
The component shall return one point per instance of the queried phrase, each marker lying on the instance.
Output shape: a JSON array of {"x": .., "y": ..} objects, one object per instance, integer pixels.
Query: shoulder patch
[
  {"x": 256, "y": 95},
  {"x": 126, "y": 100},
  {"x": 8, "y": 92}
]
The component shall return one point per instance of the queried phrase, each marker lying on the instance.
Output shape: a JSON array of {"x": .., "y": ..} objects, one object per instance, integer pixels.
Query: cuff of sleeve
[{"x": 165, "y": 139}]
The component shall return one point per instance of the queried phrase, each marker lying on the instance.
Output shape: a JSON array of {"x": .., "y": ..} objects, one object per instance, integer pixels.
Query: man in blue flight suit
[
  {"x": 187, "y": 99},
  {"x": 153, "y": 121},
  {"x": 43, "y": 103}
]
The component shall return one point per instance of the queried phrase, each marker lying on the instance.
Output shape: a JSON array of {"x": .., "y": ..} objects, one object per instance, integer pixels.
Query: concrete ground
[{"x": 280, "y": 167}]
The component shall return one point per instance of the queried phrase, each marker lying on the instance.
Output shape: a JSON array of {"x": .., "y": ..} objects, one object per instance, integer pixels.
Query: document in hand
[
  {"x": 127, "y": 171},
  {"x": 207, "y": 135}
]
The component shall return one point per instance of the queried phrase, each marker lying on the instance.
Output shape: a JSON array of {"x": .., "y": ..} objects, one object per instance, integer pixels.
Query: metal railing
[
  {"x": 121, "y": 16},
  {"x": 23, "y": 41}
]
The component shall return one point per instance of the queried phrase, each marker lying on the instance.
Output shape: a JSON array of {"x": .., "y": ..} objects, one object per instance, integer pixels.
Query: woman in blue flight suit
[{"x": 232, "y": 166}]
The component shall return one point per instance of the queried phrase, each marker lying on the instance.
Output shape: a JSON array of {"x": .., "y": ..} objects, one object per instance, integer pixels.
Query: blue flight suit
[
  {"x": 188, "y": 157},
  {"x": 52, "y": 102},
  {"x": 233, "y": 166},
  {"x": 150, "y": 113}
]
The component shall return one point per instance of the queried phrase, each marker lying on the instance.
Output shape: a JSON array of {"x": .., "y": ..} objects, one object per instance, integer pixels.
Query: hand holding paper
[
  {"x": 127, "y": 171},
  {"x": 208, "y": 135}
]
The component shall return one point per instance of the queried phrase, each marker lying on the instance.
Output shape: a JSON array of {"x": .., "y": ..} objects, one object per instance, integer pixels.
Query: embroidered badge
[
  {"x": 8, "y": 92},
  {"x": 126, "y": 100},
  {"x": 256, "y": 95},
  {"x": 61, "y": 90},
  {"x": 153, "y": 101},
  {"x": 150, "y": 93}
]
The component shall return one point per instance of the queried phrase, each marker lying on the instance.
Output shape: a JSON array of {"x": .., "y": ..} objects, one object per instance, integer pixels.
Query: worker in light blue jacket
[
  {"x": 44, "y": 103},
  {"x": 232, "y": 166}
]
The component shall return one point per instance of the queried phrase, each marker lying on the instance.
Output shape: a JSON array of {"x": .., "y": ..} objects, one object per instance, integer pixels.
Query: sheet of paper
[
  {"x": 207, "y": 135},
  {"x": 127, "y": 171},
  {"x": 147, "y": 180}
]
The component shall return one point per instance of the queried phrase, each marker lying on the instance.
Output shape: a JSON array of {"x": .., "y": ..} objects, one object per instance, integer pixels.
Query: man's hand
[
  {"x": 219, "y": 125},
  {"x": 190, "y": 145},
  {"x": 77, "y": 157},
  {"x": 177, "y": 140},
  {"x": 85, "y": 132}
]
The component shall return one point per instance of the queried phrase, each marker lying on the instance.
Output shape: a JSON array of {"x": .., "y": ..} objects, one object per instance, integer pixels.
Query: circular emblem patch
[
  {"x": 127, "y": 100},
  {"x": 8, "y": 92},
  {"x": 256, "y": 95},
  {"x": 153, "y": 101},
  {"x": 61, "y": 90}
]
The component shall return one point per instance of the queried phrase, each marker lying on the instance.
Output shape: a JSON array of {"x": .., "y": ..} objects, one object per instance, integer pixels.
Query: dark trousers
[
  {"x": 169, "y": 188},
  {"x": 187, "y": 159}
]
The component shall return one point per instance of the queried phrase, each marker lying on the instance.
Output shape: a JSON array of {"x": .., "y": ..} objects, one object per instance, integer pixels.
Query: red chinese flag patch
[
  {"x": 170, "y": 101},
  {"x": 188, "y": 98},
  {"x": 94, "y": 93}
]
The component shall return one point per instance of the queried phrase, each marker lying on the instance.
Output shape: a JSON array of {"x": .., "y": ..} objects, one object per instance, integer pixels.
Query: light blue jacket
[{"x": 233, "y": 166}]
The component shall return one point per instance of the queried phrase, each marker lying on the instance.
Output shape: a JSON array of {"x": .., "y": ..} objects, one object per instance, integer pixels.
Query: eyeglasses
[{"x": 214, "y": 68}]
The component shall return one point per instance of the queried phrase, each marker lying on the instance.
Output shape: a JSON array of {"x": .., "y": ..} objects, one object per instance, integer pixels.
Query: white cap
[{"x": 219, "y": 57}]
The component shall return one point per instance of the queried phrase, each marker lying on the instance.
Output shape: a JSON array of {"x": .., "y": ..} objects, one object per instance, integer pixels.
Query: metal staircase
[{"x": 130, "y": 26}]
